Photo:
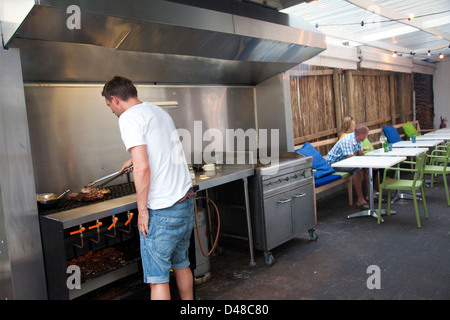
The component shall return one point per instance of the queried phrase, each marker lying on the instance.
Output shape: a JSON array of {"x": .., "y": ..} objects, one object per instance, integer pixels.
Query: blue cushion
[
  {"x": 319, "y": 163},
  {"x": 327, "y": 179},
  {"x": 392, "y": 134}
]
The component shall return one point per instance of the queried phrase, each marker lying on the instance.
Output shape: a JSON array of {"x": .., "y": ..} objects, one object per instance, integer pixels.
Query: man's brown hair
[
  {"x": 361, "y": 129},
  {"x": 120, "y": 87}
]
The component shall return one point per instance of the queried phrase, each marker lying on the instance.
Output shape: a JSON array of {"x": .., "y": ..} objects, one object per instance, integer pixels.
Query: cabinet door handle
[
  {"x": 301, "y": 195},
  {"x": 284, "y": 201}
]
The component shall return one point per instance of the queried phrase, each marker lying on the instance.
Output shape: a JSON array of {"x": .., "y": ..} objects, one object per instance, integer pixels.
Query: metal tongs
[{"x": 110, "y": 178}]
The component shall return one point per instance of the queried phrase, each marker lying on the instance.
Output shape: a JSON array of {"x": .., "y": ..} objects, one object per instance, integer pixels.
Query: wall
[
  {"x": 75, "y": 137},
  {"x": 441, "y": 88}
]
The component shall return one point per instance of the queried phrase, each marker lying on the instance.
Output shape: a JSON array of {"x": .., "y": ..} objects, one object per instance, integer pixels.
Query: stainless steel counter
[
  {"x": 77, "y": 216},
  {"x": 224, "y": 175}
]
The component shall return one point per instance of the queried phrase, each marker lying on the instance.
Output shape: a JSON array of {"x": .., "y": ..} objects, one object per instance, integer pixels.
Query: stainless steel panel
[
  {"x": 162, "y": 41},
  {"x": 19, "y": 208},
  {"x": 173, "y": 28},
  {"x": 6, "y": 286},
  {"x": 62, "y": 62},
  {"x": 99, "y": 30},
  {"x": 75, "y": 138},
  {"x": 273, "y": 103}
]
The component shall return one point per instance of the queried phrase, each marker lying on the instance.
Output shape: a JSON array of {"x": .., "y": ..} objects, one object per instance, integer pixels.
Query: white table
[
  {"x": 399, "y": 152},
  {"x": 442, "y": 136},
  {"x": 417, "y": 144},
  {"x": 369, "y": 163},
  {"x": 443, "y": 130}
]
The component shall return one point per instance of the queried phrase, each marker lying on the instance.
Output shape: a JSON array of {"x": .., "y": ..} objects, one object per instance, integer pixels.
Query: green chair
[
  {"x": 439, "y": 149},
  {"x": 438, "y": 157},
  {"x": 404, "y": 184}
]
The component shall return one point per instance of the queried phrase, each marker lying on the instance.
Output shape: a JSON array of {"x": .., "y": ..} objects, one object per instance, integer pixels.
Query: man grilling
[{"x": 164, "y": 191}]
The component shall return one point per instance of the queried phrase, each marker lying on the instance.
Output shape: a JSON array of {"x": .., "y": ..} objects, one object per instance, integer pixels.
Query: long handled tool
[{"x": 110, "y": 178}]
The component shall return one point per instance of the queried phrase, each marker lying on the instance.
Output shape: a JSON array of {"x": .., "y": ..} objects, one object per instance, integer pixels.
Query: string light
[
  {"x": 412, "y": 54},
  {"x": 363, "y": 23},
  {"x": 410, "y": 17}
]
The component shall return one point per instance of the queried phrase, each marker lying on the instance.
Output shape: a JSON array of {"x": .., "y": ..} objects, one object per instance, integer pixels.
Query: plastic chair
[
  {"x": 404, "y": 184},
  {"x": 439, "y": 149},
  {"x": 437, "y": 157}
]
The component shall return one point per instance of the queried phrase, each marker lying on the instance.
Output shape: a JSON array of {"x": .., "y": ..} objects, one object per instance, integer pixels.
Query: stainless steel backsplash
[{"x": 75, "y": 137}]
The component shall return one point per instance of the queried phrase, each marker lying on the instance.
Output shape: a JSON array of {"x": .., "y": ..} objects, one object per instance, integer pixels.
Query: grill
[
  {"x": 282, "y": 203},
  {"x": 98, "y": 237},
  {"x": 117, "y": 191}
]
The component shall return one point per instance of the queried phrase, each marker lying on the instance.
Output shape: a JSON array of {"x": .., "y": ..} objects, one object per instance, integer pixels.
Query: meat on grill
[{"x": 90, "y": 194}]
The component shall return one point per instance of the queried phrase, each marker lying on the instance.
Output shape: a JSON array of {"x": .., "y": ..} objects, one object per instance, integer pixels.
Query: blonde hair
[{"x": 348, "y": 125}]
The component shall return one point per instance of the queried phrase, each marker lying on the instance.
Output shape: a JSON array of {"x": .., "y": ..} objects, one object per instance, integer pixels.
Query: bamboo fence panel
[
  {"x": 312, "y": 104},
  {"x": 314, "y": 108},
  {"x": 423, "y": 87}
]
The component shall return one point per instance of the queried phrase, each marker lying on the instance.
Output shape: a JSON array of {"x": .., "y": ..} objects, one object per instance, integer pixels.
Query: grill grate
[{"x": 117, "y": 191}]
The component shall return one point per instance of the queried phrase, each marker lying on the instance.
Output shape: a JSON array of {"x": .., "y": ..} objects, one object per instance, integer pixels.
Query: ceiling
[{"x": 379, "y": 24}]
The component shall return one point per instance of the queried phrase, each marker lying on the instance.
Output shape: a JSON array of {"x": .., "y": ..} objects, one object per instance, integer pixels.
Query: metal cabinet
[
  {"x": 288, "y": 215},
  {"x": 278, "y": 219},
  {"x": 302, "y": 209}
]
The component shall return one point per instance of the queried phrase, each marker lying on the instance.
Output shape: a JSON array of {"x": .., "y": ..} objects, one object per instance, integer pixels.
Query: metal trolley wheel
[
  {"x": 268, "y": 257},
  {"x": 312, "y": 234}
]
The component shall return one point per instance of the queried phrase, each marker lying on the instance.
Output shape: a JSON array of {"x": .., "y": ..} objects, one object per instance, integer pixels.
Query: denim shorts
[{"x": 166, "y": 245}]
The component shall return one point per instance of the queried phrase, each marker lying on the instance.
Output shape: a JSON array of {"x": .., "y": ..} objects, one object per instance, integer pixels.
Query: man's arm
[{"x": 141, "y": 175}]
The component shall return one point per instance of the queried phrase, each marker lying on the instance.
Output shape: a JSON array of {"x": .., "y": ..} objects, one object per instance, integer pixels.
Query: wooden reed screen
[{"x": 321, "y": 97}]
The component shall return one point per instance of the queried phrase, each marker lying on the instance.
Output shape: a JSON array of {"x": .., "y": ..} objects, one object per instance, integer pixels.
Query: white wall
[{"x": 441, "y": 89}]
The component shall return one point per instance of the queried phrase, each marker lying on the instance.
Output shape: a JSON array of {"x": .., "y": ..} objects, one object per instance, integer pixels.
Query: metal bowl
[{"x": 49, "y": 199}]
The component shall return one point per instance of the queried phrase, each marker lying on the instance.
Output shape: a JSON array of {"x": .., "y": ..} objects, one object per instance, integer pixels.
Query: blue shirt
[{"x": 346, "y": 146}]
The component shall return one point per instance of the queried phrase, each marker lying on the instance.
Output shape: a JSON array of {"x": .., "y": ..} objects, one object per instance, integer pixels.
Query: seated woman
[{"x": 349, "y": 125}]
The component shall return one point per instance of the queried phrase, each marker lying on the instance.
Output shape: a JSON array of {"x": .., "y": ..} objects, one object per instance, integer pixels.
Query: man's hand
[
  {"x": 143, "y": 222},
  {"x": 125, "y": 165}
]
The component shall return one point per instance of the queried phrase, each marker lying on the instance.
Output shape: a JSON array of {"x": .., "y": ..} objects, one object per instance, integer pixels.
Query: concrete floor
[{"x": 413, "y": 263}]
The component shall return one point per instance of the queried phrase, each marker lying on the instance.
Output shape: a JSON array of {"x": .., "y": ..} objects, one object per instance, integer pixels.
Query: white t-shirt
[{"x": 147, "y": 124}]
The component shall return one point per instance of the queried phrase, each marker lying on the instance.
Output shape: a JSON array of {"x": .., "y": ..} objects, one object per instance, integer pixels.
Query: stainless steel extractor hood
[{"x": 226, "y": 42}]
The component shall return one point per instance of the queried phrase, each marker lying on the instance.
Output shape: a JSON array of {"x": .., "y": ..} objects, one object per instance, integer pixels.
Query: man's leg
[
  {"x": 160, "y": 291},
  {"x": 357, "y": 183},
  {"x": 185, "y": 283}
]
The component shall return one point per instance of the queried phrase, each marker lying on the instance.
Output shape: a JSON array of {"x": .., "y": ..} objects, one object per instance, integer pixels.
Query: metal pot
[{"x": 49, "y": 199}]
